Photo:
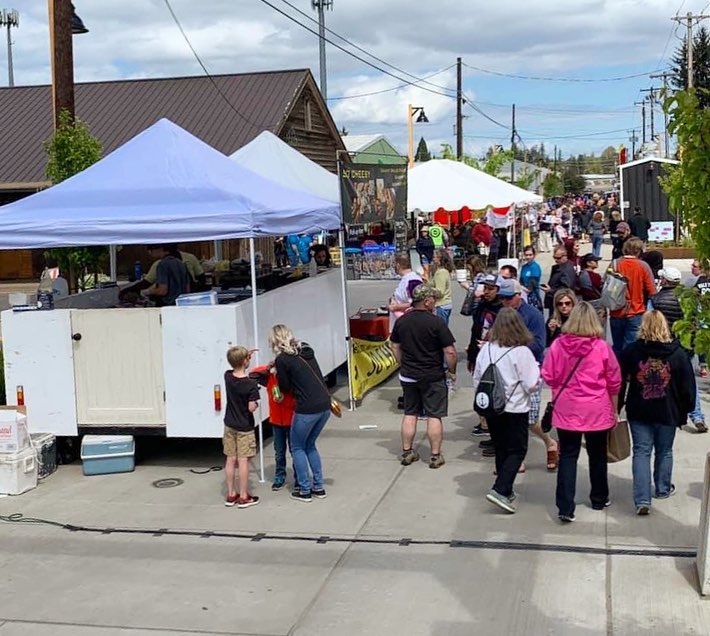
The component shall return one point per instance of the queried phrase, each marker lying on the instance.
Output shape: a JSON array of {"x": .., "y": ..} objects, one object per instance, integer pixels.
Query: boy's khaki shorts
[{"x": 239, "y": 443}]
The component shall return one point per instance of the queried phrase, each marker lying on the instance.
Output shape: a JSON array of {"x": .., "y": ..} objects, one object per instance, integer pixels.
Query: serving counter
[{"x": 155, "y": 368}]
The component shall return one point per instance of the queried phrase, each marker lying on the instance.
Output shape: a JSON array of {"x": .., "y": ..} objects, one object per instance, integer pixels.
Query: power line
[
  {"x": 204, "y": 68},
  {"x": 354, "y": 55},
  {"x": 362, "y": 50},
  {"x": 387, "y": 90},
  {"x": 555, "y": 79},
  {"x": 472, "y": 104}
]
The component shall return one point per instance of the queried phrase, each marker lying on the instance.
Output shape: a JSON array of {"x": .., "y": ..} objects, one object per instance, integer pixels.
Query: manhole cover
[{"x": 170, "y": 482}]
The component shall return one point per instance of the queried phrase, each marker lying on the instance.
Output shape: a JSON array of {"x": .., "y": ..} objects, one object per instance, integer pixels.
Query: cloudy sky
[{"x": 577, "y": 40}]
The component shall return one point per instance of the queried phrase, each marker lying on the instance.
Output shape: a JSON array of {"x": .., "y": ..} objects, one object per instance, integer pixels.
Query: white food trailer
[{"x": 155, "y": 368}]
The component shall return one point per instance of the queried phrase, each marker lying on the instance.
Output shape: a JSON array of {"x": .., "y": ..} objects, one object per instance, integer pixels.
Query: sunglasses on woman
[{"x": 564, "y": 303}]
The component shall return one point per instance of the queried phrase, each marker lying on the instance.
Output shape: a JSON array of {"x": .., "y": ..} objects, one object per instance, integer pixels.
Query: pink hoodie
[{"x": 585, "y": 404}]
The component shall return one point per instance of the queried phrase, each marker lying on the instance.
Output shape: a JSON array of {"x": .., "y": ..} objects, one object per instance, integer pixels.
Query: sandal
[{"x": 553, "y": 458}]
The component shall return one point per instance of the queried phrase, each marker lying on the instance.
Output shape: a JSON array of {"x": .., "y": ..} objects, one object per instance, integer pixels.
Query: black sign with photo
[{"x": 373, "y": 193}]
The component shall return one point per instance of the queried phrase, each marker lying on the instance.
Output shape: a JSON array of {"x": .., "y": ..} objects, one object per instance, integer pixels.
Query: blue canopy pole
[{"x": 257, "y": 356}]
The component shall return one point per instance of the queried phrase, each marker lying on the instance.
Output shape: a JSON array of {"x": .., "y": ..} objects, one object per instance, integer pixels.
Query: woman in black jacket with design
[{"x": 661, "y": 393}]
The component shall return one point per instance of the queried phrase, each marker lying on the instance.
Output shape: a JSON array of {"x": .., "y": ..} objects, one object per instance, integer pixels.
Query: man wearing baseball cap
[
  {"x": 484, "y": 315},
  {"x": 421, "y": 343},
  {"x": 623, "y": 234}
]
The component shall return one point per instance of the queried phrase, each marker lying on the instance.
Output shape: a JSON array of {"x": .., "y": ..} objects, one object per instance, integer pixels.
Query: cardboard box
[{"x": 14, "y": 437}]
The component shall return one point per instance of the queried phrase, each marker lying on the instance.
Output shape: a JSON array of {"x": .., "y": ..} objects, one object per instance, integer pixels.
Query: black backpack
[{"x": 490, "y": 398}]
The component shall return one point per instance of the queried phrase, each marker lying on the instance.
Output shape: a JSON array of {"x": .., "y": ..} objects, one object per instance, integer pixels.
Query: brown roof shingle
[{"x": 117, "y": 111}]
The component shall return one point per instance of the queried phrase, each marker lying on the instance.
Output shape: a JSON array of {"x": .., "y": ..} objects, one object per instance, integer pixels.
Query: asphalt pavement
[{"x": 392, "y": 550}]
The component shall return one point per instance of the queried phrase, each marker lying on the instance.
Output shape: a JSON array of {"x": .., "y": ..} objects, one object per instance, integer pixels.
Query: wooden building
[
  {"x": 640, "y": 187},
  {"x": 225, "y": 111}
]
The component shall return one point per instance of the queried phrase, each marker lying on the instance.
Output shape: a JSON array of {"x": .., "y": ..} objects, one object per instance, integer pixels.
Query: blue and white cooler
[{"x": 107, "y": 454}]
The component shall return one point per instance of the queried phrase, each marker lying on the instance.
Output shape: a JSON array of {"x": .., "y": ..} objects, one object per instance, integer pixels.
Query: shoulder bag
[
  {"x": 335, "y": 407},
  {"x": 546, "y": 421},
  {"x": 618, "y": 445}
]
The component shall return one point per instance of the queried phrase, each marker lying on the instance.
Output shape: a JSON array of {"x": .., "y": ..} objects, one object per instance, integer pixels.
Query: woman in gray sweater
[{"x": 596, "y": 230}]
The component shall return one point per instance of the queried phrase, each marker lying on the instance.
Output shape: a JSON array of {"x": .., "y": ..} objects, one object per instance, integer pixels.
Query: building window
[{"x": 307, "y": 114}]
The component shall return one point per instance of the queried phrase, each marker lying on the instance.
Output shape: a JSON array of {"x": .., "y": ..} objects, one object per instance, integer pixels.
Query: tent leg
[
  {"x": 346, "y": 317},
  {"x": 113, "y": 258},
  {"x": 218, "y": 250},
  {"x": 255, "y": 319}
]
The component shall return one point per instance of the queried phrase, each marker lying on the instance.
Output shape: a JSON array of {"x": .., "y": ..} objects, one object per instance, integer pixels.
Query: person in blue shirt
[
  {"x": 509, "y": 294},
  {"x": 292, "y": 249},
  {"x": 530, "y": 277},
  {"x": 304, "y": 248}
]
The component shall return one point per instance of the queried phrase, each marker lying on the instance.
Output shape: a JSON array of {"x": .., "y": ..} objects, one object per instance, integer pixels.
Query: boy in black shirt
[{"x": 239, "y": 441}]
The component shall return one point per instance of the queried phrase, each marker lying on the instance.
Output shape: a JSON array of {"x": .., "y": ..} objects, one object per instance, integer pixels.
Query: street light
[
  {"x": 421, "y": 119},
  {"x": 77, "y": 26}
]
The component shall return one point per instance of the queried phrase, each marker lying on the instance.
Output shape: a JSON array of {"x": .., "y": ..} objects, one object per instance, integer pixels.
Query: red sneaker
[
  {"x": 231, "y": 500},
  {"x": 250, "y": 501}
]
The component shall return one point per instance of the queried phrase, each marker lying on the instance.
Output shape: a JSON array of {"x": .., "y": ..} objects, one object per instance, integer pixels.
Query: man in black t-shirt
[
  {"x": 171, "y": 277},
  {"x": 422, "y": 342}
]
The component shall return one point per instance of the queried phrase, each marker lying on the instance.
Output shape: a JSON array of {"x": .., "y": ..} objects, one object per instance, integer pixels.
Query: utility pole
[
  {"x": 459, "y": 110},
  {"x": 652, "y": 101},
  {"x": 633, "y": 138},
  {"x": 690, "y": 19},
  {"x": 512, "y": 148},
  {"x": 666, "y": 137},
  {"x": 9, "y": 18},
  {"x": 643, "y": 120},
  {"x": 321, "y": 6},
  {"x": 554, "y": 163}
]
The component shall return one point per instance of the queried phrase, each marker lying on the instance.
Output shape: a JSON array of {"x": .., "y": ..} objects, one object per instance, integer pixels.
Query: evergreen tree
[
  {"x": 701, "y": 65},
  {"x": 422, "y": 153}
]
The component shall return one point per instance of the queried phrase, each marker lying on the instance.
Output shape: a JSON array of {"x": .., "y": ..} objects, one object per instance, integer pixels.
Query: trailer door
[{"x": 118, "y": 367}]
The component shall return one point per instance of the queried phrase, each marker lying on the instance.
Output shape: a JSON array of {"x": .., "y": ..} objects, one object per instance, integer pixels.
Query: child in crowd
[
  {"x": 239, "y": 441},
  {"x": 282, "y": 405}
]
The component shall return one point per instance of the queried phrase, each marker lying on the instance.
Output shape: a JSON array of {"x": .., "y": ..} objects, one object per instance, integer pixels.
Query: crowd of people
[{"x": 514, "y": 350}]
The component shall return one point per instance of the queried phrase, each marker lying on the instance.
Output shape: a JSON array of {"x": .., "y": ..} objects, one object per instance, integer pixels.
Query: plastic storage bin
[
  {"x": 45, "y": 445},
  {"x": 198, "y": 299},
  {"x": 18, "y": 472},
  {"x": 107, "y": 454}
]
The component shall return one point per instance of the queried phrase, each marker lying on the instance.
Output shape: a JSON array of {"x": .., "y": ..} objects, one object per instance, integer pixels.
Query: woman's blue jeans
[
  {"x": 282, "y": 441},
  {"x": 305, "y": 429},
  {"x": 444, "y": 312},
  {"x": 597, "y": 242},
  {"x": 658, "y": 438}
]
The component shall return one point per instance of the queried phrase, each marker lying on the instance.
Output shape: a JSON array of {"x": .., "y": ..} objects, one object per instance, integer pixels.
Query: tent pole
[
  {"x": 255, "y": 319},
  {"x": 113, "y": 258},
  {"x": 346, "y": 317},
  {"x": 218, "y": 250}
]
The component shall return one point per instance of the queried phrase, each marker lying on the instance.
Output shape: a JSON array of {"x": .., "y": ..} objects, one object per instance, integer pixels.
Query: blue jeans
[
  {"x": 649, "y": 437},
  {"x": 696, "y": 415},
  {"x": 624, "y": 332},
  {"x": 282, "y": 440},
  {"x": 444, "y": 313},
  {"x": 597, "y": 242},
  {"x": 305, "y": 429}
]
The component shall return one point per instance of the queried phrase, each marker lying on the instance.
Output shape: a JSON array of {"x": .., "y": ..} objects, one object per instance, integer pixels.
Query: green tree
[
  {"x": 495, "y": 162},
  {"x": 688, "y": 188},
  {"x": 72, "y": 149},
  {"x": 422, "y": 153},
  {"x": 701, "y": 65},
  {"x": 447, "y": 152},
  {"x": 573, "y": 182},
  {"x": 552, "y": 186},
  {"x": 525, "y": 179}
]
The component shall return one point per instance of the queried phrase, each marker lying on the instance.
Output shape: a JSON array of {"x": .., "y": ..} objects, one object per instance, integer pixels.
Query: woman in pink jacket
[{"x": 582, "y": 369}]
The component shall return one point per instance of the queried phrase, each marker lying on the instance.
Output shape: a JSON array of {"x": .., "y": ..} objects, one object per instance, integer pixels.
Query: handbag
[
  {"x": 618, "y": 445},
  {"x": 546, "y": 422},
  {"x": 335, "y": 406}
]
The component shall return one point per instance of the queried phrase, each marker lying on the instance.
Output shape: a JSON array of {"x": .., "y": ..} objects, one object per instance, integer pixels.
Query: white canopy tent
[
  {"x": 274, "y": 159},
  {"x": 452, "y": 185},
  {"x": 166, "y": 186}
]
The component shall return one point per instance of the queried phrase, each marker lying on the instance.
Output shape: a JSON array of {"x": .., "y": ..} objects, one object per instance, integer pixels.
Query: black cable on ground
[{"x": 676, "y": 553}]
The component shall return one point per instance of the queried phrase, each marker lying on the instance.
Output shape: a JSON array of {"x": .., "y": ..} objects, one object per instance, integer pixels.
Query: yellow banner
[{"x": 371, "y": 364}]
